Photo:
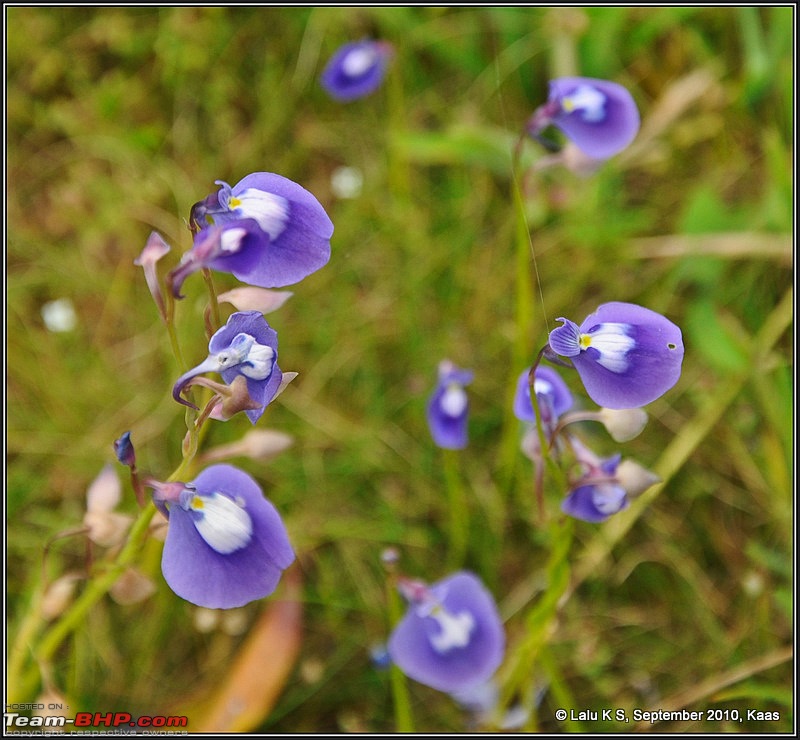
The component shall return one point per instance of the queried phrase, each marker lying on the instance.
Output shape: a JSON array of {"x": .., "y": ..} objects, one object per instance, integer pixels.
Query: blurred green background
[{"x": 119, "y": 119}]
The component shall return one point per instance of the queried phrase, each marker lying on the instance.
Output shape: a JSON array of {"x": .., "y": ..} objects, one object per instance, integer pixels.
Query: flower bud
[
  {"x": 623, "y": 424},
  {"x": 250, "y": 298},
  {"x": 58, "y": 595},
  {"x": 106, "y": 528},
  {"x": 257, "y": 444},
  {"x": 123, "y": 449},
  {"x": 132, "y": 587},
  {"x": 634, "y": 478}
]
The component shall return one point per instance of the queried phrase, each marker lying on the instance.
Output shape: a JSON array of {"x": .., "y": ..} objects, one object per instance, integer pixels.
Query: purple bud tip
[{"x": 123, "y": 449}]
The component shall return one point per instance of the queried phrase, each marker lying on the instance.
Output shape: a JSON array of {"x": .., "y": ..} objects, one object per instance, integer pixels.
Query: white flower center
[
  {"x": 358, "y": 61},
  {"x": 608, "y": 499},
  {"x": 454, "y": 629},
  {"x": 587, "y": 99},
  {"x": 231, "y": 240},
  {"x": 256, "y": 359},
  {"x": 612, "y": 342},
  {"x": 223, "y": 524},
  {"x": 269, "y": 210},
  {"x": 454, "y": 401}
]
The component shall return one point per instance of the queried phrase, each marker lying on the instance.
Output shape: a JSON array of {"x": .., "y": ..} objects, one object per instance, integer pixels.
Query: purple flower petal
[
  {"x": 201, "y": 572},
  {"x": 599, "y": 116},
  {"x": 266, "y": 230},
  {"x": 247, "y": 345},
  {"x": 595, "y": 503},
  {"x": 626, "y": 355},
  {"x": 356, "y": 69},
  {"x": 549, "y": 387},
  {"x": 252, "y": 323},
  {"x": 453, "y": 641}
]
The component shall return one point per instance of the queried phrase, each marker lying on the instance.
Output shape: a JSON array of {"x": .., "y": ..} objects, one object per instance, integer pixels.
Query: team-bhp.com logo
[{"x": 95, "y": 719}]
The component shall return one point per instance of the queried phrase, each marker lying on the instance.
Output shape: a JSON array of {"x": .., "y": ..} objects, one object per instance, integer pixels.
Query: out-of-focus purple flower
[
  {"x": 600, "y": 117},
  {"x": 266, "y": 230},
  {"x": 226, "y": 544},
  {"x": 448, "y": 407},
  {"x": 246, "y": 346},
  {"x": 356, "y": 69},
  {"x": 451, "y": 638},
  {"x": 552, "y": 396},
  {"x": 380, "y": 656},
  {"x": 606, "y": 485},
  {"x": 482, "y": 701},
  {"x": 598, "y": 494},
  {"x": 153, "y": 251},
  {"x": 626, "y": 355},
  {"x": 595, "y": 502}
]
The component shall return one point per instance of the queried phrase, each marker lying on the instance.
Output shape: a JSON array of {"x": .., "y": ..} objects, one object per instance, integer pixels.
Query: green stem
[
  {"x": 75, "y": 615},
  {"x": 458, "y": 511},
  {"x": 559, "y": 689},
  {"x": 213, "y": 303},
  {"x": 28, "y": 631},
  {"x": 398, "y": 172},
  {"x": 403, "y": 716},
  {"x": 540, "y": 618},
  {"x": 169, "y": 320},
  {"x": 524, "y": 290},
  {"x": 524, "y": 310}
]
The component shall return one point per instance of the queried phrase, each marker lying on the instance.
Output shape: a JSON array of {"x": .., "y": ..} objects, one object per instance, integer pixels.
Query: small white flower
[
  {"x": 59, "y": 315},
  {"x": 347, "y": 182}
]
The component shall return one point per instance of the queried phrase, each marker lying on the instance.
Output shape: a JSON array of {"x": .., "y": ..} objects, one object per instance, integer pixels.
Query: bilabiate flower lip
[
  {"x": 246, "y": 346},
  {"x": 226, "y": 544},
  {"x": 266, "y": 231},
  {"x": 448, "y": 407},
  {"x": 595, "y": 502},
  {"x": 451, "y": 638},
  {"x": 599, "y": 116},
  {"x": 356, "y": 69},
  {"x": 626, "y": 355}
]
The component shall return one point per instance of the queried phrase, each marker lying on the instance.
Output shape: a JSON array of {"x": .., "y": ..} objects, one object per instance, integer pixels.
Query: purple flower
[
  {"x": 266, "y": 230},
  {"x": 226, "y": 544},
  {"x": 356, "y": 69},
  {"x": 598, "y": 116},
  {"x": 599, "y": 493},
  {"x": 448, "y": 407},
  {"x": 626, "y": 355},
  {"x": 595, "y": 502},
  {"x": 606, "y": 485},
  {"x": 451, "y": 638},
  {"x": 552, "y": 395},
  {"x": 246, "y": 346}
]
